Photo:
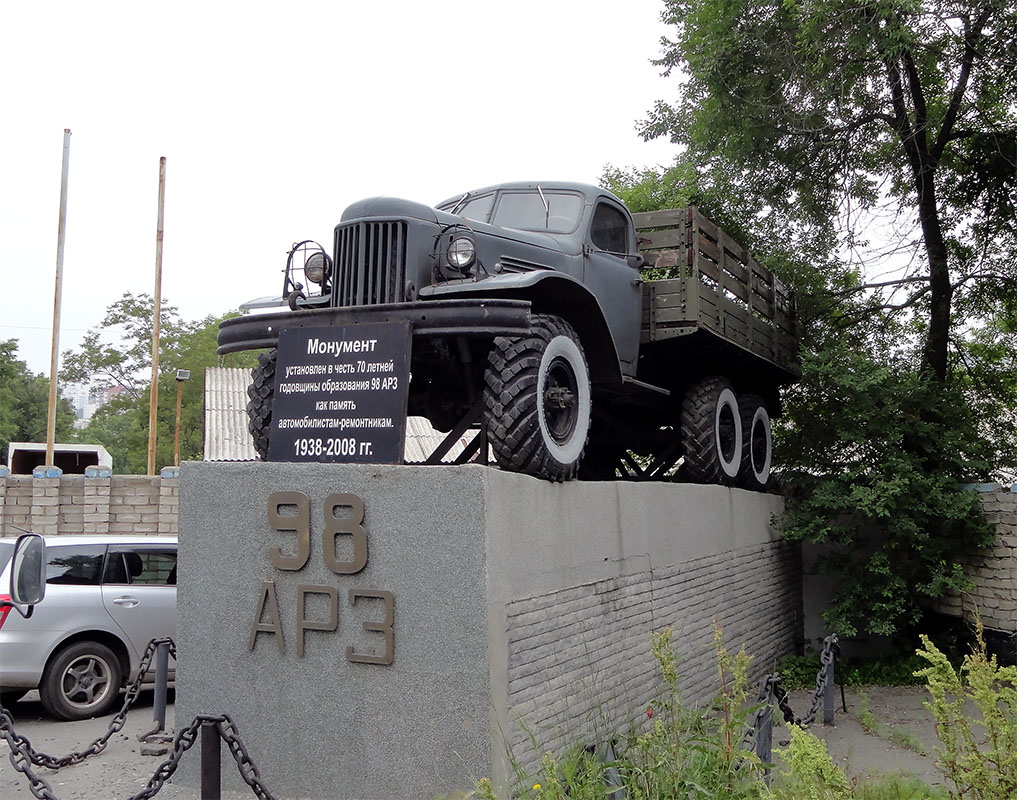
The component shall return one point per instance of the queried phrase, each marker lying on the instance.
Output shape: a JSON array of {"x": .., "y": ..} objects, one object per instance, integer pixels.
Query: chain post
[
  {"x": 828, "y": 695},
  {"x": 764, "y": 725},
  {"x": 161, "y": 681},
  {"x": 211, "y": 762}
]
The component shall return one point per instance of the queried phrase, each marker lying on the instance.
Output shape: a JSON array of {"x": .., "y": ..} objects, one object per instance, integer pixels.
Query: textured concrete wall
[
  {"x": 518, "y": 604},
  {"x": 74, "y": 504},
  {"x": 993, "y": 570}
]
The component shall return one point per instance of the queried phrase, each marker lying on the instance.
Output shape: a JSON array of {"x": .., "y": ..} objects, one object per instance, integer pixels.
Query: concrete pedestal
[{"x": 513, "y": 605}]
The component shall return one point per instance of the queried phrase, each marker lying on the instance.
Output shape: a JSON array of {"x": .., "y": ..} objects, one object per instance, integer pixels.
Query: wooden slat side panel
[{"x": 659, "y": 219}]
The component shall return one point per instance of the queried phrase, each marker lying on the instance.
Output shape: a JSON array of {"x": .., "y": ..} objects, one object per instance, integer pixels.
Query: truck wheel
[
  {"x": 758, "y": 445},
  {"x": 537, "y": 396},
  {"x": 711, "y": 431},
  {"x": 259, "y": 408},
  {"x": 81, "y": 681}
]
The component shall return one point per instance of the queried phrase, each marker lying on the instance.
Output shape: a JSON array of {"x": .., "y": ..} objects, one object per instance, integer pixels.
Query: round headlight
[
  {"x": 315, "y": 268},
  {"x": 462, "y": 252}
]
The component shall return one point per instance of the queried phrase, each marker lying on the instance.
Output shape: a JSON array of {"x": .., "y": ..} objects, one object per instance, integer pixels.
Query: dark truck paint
[{"x": 581, "y": 342}]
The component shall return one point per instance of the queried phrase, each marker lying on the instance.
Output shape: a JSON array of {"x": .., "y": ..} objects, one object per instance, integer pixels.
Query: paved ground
[{"x": 123, "y": 769}]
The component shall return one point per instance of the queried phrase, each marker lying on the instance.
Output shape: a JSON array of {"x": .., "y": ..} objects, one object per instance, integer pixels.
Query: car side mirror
[
  {"x": 28, "y": 570},
  {"x": 636, "y": 260}
]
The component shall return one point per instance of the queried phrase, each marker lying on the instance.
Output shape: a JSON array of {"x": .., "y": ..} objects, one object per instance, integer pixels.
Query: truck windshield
[{"x": 526, "y": 211}]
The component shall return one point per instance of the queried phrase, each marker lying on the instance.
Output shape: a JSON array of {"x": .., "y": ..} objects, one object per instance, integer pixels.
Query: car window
[
  {"x": 144, "y": 565},
  {"x": 609, "y": 229},
  {"x": 74, "y": 565}
]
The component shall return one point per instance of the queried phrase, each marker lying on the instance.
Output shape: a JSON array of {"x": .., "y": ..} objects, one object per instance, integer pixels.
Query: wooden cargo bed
[{"x": 699, "y": 279}]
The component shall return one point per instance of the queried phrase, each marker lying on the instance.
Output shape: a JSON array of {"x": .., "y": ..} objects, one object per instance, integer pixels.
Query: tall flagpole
[{"x": 58, "y": 290}]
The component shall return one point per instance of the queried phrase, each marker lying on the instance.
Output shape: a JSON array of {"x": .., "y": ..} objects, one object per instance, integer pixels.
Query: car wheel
[
  {"x": 81, "y": 681},
  {"x": 537, "y": 396},
  {"x": 259, "y": 408},
  {"x": 711, "y": 431}
]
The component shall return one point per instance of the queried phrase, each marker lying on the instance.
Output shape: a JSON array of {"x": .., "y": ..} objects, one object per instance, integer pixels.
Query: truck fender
[{"x": 552, "y": 292}]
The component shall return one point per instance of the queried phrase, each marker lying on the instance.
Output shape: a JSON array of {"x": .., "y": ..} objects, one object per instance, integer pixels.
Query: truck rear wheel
[
  {"x": 758, "y": 442},
  {"x": 537, "y": 397},
  {"x": 711, "y": 432},
  {"x": 259, "y": 408}
]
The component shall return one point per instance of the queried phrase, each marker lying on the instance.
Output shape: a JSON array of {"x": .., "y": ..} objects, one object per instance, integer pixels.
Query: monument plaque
[{"x": 341, "y": 394}]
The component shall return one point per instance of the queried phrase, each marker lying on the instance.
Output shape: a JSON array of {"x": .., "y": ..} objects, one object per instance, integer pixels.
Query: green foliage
[
  {"x": 118, "y": 353},
  {"x": 879, "y": 481},
  {"x": 808, "y": 772},
  {"x": 978, "y": 755},
  {"x": 799, "y": 672},
  {"x": 24, "y": 403}
]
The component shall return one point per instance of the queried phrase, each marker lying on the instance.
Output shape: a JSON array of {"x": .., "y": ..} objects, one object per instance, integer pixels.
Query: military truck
[{"x": 579, "y": 339}]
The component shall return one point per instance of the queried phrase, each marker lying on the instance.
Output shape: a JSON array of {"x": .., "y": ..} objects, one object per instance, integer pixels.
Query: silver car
[{"x": 106, "y": 598}]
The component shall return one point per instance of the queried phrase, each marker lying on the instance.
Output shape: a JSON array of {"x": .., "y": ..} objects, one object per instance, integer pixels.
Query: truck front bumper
[{"x": 459, "y": 317}]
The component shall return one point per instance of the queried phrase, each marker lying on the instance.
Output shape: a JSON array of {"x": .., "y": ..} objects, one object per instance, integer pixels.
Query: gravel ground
[{"x": 124, "y": 768}]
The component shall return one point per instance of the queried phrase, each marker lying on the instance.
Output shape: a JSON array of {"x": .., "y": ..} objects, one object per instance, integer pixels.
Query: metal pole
[
  {"x": 57, "y": 292},
  {"x": 176, "y": 433},
  {"x": 211, "y": 762},
  {"x": 828, "y": 695},
  {"x": 156, "y": 319},
  {"x": 161, "y": 680}
]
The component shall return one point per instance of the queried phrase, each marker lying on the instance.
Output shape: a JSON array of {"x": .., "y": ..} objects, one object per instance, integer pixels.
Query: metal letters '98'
[{"x": 300, "y": 524}]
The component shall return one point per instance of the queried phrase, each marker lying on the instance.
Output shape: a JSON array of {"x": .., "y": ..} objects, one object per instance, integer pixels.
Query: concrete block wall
[
  {"x": 580, "y": 661},
  {"x": 76, "y": 504},
  {"x": 993, "y": 570}
]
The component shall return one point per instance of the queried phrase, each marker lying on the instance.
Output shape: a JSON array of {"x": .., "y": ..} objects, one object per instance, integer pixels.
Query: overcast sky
[{"x": 273, "y": 118}]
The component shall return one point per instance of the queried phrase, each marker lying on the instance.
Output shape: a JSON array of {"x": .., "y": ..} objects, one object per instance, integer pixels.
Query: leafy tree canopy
[
  {"x": 826, "y": 109},
  {"x": 118, "y": 352},
  {"x": 798, "y": 122},
  {"x": 24, "y": 403}
]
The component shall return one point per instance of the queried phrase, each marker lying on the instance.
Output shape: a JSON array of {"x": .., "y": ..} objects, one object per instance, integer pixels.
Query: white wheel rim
[
  {"x": 562, "y": 347},
  {"x": 761, "y": 472},
  {"x": 727, "y": 401}
]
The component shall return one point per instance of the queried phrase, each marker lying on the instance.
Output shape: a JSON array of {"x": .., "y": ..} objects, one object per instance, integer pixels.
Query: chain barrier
[
  {"x": 19, "y": 744},
  {"x": 831, "y": 650},
  {"x": 772, "y": 693},
  {"x": 186, "y": 738}
]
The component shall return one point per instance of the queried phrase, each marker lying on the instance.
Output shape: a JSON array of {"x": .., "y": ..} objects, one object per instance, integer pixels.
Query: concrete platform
[{"x": 480, "y": 607}]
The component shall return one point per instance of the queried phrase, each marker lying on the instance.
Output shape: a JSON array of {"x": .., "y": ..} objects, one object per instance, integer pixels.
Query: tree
[
  {"x": 24, "y": 403},
  {"x": 797, "y": 121},
  {"x": 121, "y": 425},
  {"x": 827, "y": 108}
]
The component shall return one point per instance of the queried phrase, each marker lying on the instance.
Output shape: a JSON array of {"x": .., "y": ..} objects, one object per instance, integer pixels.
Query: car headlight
[
  {"x": 462, "y": 252},
  {"x": 316, "y": 268}
]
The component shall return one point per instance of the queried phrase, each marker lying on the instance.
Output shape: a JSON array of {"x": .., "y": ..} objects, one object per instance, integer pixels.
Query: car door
[
  {"x": 614, "y": 281},
  {"x": 139, "y": 591}
]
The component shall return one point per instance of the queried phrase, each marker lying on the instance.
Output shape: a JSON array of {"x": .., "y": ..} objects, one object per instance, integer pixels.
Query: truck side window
[
  {"x": 609, "y": 230},
  {"x": 478, "y": 208}
]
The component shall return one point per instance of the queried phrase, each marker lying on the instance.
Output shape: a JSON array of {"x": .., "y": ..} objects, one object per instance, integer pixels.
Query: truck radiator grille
[{"x": 371, "y": 263}]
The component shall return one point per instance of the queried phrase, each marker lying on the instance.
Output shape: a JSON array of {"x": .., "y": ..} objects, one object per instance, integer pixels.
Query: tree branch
[{"x": 967, "y": 61}]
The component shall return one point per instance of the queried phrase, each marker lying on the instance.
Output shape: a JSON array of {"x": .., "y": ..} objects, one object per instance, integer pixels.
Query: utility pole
[
  {"x": 153, "y": 402},
  {"x": 57, "y": 292}
]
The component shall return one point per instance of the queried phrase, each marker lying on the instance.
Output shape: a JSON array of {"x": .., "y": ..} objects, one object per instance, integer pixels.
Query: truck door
[{"x": 615, "y": 283}]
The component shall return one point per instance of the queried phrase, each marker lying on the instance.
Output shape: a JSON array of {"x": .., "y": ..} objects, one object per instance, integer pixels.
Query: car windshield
[{"x": 525, "y": 210}]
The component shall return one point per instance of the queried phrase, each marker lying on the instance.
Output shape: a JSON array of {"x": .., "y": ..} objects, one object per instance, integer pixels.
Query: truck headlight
[
  {"x": 462, "y": 252},
  {"x": 316, "y": 267}
]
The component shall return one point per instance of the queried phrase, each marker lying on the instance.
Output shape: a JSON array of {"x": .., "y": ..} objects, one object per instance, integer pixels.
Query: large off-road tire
[
  {"x": 537, "y": 397},
  {"x": 757, "y": 438},
  {"x": 711, "y": 431},
  {"x": 259, "y": 408},
  {"x": 81, "y": 681}
]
